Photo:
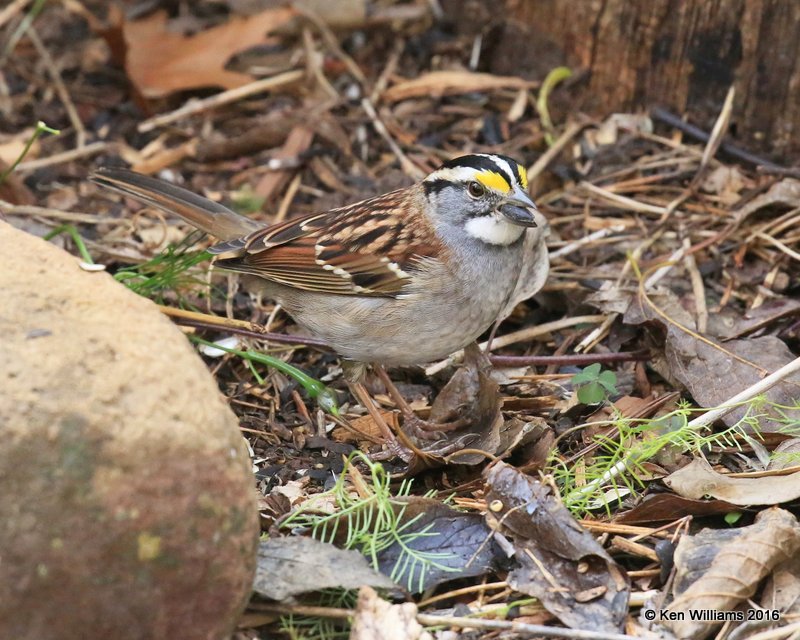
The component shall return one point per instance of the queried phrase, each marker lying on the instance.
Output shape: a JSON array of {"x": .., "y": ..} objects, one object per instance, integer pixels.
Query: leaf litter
[{"x": 702, "y": 275}]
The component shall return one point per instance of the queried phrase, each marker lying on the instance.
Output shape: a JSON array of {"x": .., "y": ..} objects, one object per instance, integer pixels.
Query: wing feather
[{"x": 370, "y": 248}]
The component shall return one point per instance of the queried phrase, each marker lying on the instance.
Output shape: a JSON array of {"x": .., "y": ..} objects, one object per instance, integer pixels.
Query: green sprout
[
  {"x": 324, "y": 397},
  {"x": 72, "y": 232},
  {"x": 166, "y": 271},
  {"x": 41, "y": 128},
  {"x": 370, "y": 521},
  {"x": 556, "y": 76},
  {"x": 593, "y": 385}
]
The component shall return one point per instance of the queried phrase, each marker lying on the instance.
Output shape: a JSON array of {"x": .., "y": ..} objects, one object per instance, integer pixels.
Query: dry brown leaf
[
  {"x": 471, "y": 394},
  {"x": 443, "y": 83},
  {"x": 365, "y": 425},
  {"x": 159, "y": 61},
  {"x": 698, "y": 479},
  {"x": 724, "y": 568},
  {"x": 376, "y": 618}
]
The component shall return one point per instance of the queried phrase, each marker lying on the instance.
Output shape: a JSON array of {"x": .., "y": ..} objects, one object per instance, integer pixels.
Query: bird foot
[{"x": 429, "y": 430}]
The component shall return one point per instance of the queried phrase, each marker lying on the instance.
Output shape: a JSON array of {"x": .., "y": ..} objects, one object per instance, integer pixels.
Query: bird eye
[{"x": 476, "y": 189}]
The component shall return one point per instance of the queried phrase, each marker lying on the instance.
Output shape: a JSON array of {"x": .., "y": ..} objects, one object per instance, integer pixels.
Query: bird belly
[{"x": 429, "y": 323}]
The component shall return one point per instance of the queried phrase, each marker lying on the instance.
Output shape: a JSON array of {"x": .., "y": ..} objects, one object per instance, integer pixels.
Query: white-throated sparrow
[
  {"x": 407, "y": 277},
  {"x": 404, "y": 278}
]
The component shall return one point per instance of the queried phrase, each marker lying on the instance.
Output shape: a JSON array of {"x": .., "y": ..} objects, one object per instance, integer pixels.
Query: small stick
[
  {"x": 623, "y": 202},
  {"x": 698, "y": 288},
  {"x": 528, "y": 333},
  {"x": 577, "y": 360},
  {"x": 11, "y": 10},
  {"x": 240, "y": 327},
  {"x": 519, "y": 627},
  {"x": 9, "y": 209},
  {"x": 659, "y": 113},
  {"x": 194, "y": 107},
  {"x": 451, "y": 621},
  {"x": 409, "y": 168},
  {"x": 66, "y": 156},
  {"x": 61, "y": 88},
  {"x": 548, "y": 156}
]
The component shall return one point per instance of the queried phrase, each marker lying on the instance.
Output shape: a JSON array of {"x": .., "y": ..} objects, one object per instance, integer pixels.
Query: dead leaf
[
  {"x": 737, "y": 325},
  {"x": 782, "y": 589},
  {"x": 461, "y": 542},
  {"x": 713, "y": 372},
  {"x": 290, "y": 566},
  {"x": 786, "y": 454},
  {"x": 159, "y": 61},
  {"x": 471, "y": 394},
  {"x": 718, "y": 570},
  {"x": 698, "y": 479},
  {"x": 726, "y": 182},
  {"x": 376, "y": 618},
  {"x": 668, "y": 507},
  {"x": 786, "y": 192},
  {"x": 561, "y": 563},
  {"x": 444, "y": 83}
]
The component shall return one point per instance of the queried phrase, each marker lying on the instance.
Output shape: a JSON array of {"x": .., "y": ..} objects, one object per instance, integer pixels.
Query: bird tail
[{"x": 207, "y": 215}]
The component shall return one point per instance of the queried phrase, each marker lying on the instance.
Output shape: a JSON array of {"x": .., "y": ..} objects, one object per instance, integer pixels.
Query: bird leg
[
  {"x": 399, "y": 445},
  {"x": 413, "y": 424}
]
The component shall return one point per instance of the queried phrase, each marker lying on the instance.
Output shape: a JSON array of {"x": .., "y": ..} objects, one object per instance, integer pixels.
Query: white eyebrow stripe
[{"x": 454, "y": 174}]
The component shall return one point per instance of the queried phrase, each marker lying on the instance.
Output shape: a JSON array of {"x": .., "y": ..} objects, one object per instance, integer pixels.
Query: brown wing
[{"x": 369, "y": 248}]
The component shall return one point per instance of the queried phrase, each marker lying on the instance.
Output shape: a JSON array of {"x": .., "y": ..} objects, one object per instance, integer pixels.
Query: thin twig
[
  {"x": 622, "y": 202},
  {"x": 11, "y": 10},
  {"x": 239, "y": 327},
  {"x": 519, "y": 628},
  {"x": 408, "y": 167},
  {"x": 577, "y": 244},
  {"x": 194, "y": 107},
  {"x": 698, "y": 288},
  {"x": 548, "y": 156},
  {"x": 61, "y": 88},
  {"x": 47, "y": 212},
  {"x": 523, "y": 335},
  {"x": 577, "y": 360},
  {"x": 659, "y": 113},
  {"x": 66, "y": 156},
  {"x": 430, "y": 620}
]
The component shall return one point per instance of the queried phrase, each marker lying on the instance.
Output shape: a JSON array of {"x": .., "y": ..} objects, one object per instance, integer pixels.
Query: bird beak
[{"x": 519, "y": 209}]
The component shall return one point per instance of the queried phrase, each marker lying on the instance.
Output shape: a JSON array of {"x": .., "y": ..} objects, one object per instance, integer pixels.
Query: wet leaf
[
  {"x": 560, "y": 563},
  {"x": 668, "y": 507},
  {"x": 460, "y": 541}
]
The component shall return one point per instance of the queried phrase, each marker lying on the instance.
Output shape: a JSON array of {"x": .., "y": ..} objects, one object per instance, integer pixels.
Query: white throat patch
[{"x": 494, "y": 230}]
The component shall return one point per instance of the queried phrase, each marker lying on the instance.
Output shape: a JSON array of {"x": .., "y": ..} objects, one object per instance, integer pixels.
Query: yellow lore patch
[{"x": 493, "y": 180}]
